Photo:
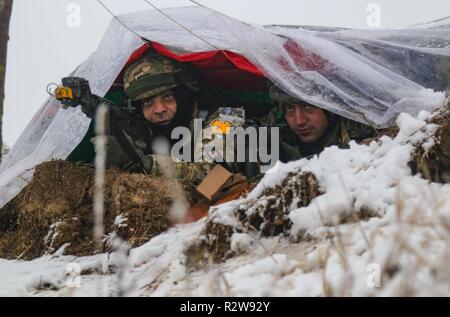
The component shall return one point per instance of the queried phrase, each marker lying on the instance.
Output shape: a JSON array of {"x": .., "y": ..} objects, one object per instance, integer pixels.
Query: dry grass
[{"x": 56, "y": 208}]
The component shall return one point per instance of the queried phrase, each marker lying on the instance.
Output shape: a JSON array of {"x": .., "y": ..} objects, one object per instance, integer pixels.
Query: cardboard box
[{"x": 218, "y": 183}]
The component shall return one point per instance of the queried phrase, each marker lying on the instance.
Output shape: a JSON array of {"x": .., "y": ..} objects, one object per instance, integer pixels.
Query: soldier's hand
[
  {"x": 146, "y": 161},
  {"x": 115, "y": 155}
]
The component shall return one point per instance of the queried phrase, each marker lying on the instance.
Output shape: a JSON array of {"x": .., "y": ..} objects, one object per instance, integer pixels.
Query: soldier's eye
[
  {"x": 146, "y": 103},
  {"x": 309, "y": 108},
  {"x": 168, "y": 97},
  {"x": 289, "y": 108}
]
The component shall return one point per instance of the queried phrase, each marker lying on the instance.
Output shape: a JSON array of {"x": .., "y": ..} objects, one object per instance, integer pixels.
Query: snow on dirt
[{"x": 400, "y": 247}]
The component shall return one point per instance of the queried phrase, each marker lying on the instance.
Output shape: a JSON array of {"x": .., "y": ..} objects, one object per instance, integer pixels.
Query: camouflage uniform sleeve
[
  {"x": 289, "y": 153},
  {"x": 352, "y": 130},
  {"x": 213, "y": 147},
  {"x": 189, "y": 174}
]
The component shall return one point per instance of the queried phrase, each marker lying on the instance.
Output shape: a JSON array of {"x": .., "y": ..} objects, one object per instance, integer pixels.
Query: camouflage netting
[
  {"x": 265, "y": 217},
  {"x": 56, "y": 208}
]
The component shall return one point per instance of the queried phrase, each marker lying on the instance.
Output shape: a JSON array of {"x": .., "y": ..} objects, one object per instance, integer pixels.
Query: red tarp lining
[{"x": 223, "y": 69}]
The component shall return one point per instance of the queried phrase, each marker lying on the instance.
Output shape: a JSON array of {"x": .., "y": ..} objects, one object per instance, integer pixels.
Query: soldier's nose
[
  {"x": 300, "y": 117},
  {"x": 159, "y": 108}
]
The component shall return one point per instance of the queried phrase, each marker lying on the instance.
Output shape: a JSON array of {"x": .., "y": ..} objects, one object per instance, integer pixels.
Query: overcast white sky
[{"x": 44, "y": 48}]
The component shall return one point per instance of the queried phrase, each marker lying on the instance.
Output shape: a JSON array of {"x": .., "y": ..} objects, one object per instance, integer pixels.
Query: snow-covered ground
[{"x": 403, "y": 248}]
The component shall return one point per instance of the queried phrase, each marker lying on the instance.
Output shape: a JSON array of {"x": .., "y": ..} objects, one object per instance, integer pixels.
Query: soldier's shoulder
[
  {"x": 288, "y": 152},
  {"x": 354, "y": 130}
]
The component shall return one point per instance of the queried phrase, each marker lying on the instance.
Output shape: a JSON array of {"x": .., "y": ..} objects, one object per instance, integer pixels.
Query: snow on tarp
[{"x": 368, "y": 76}]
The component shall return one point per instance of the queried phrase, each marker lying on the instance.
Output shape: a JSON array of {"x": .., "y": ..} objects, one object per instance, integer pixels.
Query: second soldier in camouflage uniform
[{"x": 310, "y": 129}]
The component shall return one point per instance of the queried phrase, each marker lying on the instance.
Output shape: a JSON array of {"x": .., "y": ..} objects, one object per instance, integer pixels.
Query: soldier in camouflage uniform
[
  {"x": 311, "y": 129},
  {"x": 164, "y": 92}
]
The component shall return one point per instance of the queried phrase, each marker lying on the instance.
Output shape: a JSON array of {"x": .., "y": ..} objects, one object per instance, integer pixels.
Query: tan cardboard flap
[{"x": 214, "y": 181}]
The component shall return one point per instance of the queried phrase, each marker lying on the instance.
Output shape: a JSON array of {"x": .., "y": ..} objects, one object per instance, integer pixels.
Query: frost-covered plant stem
[
  {"x": 100, "y": 160},
  {"x": 180, "y": 205},
  {"x": 101, "y": 120},
  {"x": 121, "y": 249}
]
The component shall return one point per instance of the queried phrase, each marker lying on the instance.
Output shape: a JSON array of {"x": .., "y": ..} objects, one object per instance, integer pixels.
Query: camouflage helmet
[
  {"x": 154, "y": 74},
  {"x": 280, "y": 96}
]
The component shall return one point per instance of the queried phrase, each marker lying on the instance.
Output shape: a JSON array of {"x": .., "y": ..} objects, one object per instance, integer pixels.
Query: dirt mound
[
  {"x": 434, "y": 163},
  {"x": 267, "y": 216},
  {"x": 55, "y": 209}
]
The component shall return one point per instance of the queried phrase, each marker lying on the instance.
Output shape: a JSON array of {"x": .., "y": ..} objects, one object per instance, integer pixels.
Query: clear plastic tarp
[{"x": 365, "y": 75}]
